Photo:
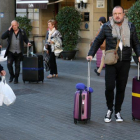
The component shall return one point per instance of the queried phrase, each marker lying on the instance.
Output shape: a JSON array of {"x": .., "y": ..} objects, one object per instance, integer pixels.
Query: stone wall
[
  {"x": 7, "y": 7},
  {"x": 88, "y": 35}
]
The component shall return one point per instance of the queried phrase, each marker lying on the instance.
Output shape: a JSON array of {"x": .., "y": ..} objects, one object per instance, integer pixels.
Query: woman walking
[{"x": 51, "y": 34}]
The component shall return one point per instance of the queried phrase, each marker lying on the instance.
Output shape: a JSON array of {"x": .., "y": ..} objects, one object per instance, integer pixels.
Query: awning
[{"x": 39, "y": 4}]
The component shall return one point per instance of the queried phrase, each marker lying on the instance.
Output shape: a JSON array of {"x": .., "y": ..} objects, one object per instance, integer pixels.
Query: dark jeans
[
  {"x": 116, "y": 75},
  {"x": 52, "y": 62},
  {"x": 14, "y": 57}
]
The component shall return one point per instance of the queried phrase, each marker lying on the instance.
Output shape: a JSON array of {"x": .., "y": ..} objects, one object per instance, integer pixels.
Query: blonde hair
[{"x": 52, "y": 21}]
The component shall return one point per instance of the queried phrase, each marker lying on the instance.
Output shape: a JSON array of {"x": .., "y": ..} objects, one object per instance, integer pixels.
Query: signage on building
[
  {"x": 2, "y": 15},
  {"x": 100, "y": 3}
]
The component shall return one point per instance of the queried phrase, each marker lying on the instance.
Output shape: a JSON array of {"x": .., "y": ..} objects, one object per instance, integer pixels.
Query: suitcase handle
[
  {"x": 88, "y": 77},
  {"x": 31, "y": 51}
]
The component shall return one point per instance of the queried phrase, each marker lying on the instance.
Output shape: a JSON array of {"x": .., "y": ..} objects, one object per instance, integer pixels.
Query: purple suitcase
[
  {"x": 98, "y": 58},
  {"x": 136, "y": 97},
  {"x": 82, "y": 103}
]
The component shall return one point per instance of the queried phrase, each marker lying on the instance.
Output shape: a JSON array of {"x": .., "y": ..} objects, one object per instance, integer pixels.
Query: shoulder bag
[{"x": 111, "y": 56}]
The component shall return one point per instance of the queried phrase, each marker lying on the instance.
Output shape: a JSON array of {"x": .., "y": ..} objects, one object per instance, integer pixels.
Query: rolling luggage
[
  {"x": 32, "y": 68},
  {"x": 136, "y": 97},
  {"x": 82, "y": 101}
]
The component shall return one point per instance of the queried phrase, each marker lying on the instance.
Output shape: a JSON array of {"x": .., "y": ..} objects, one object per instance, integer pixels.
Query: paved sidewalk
[{"x": 44, "y": 111}]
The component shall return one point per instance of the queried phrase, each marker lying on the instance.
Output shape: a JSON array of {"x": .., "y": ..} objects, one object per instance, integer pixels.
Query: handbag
[
  {"x": 46, "y": 62},
  {"x": 7, "y": 94},
  {"x": 111, "y": 56},
  {"x": 57, "y": 52}
]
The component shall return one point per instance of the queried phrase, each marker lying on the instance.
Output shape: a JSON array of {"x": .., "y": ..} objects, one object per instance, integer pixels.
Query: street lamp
[
  {"x": 85, "y": 3},
  {"x": 82, "y": 3},
  {"x": 78, "y": 1}
]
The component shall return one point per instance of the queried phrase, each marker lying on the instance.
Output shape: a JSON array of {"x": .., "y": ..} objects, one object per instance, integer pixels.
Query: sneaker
[
  {"x": 95, "y": 70},
  {"x": 108, "y": 116},
  {"x": 118, "y": 117}
]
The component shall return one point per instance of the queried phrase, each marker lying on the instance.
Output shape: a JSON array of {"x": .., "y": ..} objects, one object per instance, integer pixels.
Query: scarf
[
  {"x": 50, "y": 34},
  {"x": 121, "y": 32}
]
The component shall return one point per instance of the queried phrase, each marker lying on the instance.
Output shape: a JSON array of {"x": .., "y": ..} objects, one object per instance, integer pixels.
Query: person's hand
[
  {"x": 0, "y": 46},
  {"x": 3, "y": 72},
  {"x": 89, "y": 58},
  {"x": 29, "y": 44},
  {"x": 139, "y": 58},
  {"x": 10, "y": 28},
  {"x": 51, "y": 42}
]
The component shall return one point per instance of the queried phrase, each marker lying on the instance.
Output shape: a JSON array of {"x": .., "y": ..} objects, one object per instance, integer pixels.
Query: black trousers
[
  {"x": 116, "y": 75},
  {"x": 53, "y": 65},
  {"x": 14, "y": 58}
]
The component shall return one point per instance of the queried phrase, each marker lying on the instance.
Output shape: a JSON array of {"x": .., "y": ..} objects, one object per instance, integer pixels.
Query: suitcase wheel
[
  {"x": 75, "y": 121},
  {"x": 133, "y": 118}
]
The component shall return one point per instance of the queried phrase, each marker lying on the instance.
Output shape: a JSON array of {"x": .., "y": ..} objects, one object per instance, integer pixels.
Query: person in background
[
  {"x": 14, "y": 52},
  {"x": 52, "y": 33},
  {"x": 116, "y": 75},
  {"x": 102, "y": 20}
]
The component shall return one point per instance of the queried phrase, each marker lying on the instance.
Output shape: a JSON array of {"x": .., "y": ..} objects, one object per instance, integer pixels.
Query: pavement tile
[{"x": 44, "y": 111}]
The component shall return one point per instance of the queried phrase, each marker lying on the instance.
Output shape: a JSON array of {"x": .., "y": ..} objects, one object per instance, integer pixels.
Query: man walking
[
  {"x": 16, "y": 38},
  {"x": 116, "y": 75}
]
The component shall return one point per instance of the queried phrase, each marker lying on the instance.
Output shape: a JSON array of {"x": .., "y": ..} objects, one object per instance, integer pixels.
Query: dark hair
[
  {"x": 102, "y": 19},
  {"x": 119, "y": 7}
]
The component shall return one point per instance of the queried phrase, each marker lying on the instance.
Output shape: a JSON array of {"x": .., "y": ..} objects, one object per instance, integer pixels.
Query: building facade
[
  {"x": 39, "y": 18},
  {"x": 7, "y": 14}
]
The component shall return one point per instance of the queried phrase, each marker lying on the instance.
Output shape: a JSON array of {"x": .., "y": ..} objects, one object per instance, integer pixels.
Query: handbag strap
[{"x": 117, "y": 46}]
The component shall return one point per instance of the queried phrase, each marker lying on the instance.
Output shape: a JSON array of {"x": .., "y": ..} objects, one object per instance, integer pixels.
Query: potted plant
[
  {"x": 68, "y": 23},
  {"x": 25, "y": 24},
  {"x": 133, "y": 15}
]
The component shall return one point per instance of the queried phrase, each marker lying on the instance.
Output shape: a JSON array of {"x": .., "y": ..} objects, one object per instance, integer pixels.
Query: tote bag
[{"x": 7, "y": 92}]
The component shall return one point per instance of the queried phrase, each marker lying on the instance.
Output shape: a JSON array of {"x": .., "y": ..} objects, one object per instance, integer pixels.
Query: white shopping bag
[
  {"x": 9, "y": 96},
  {"x": 1, "y": 95}
]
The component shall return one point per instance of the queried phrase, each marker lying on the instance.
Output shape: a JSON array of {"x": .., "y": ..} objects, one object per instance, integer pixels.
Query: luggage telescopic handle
[
  {"x": 138, "y": 70},
  {"x": 28, "y": 50},
  {"x": 88, "y": 78}
]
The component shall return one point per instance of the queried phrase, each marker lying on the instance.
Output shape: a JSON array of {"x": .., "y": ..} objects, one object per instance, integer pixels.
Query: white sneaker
[
  {"x": 108, "y": 116},
  {"x": 118, "y": 117}
]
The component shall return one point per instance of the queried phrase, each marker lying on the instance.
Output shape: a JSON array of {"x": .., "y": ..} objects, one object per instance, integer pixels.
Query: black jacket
[
  {"x": 1, "y": 68},
  {"x": 8, "y": 35},
  {"x": 106, "y": 33}
]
